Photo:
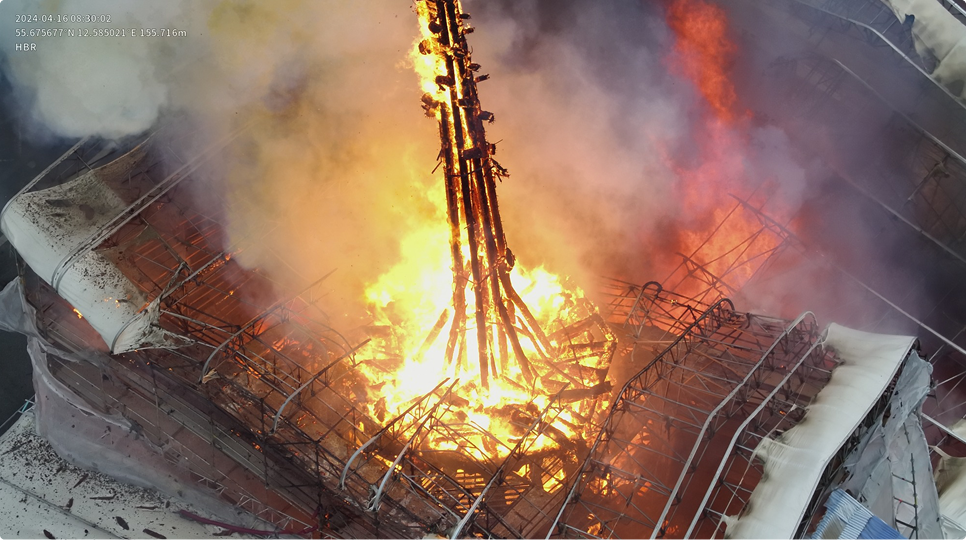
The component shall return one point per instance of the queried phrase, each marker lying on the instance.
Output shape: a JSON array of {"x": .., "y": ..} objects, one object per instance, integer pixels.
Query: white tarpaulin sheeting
[
  {"x": 47, "y": 226},
  {"x": 939, "y": 34},
  {"x": 794, "y": 461},
  {"x": 951, "y": 482},
  {"x": 40, "y": 494},
  {"x": 91, "y": 438}
]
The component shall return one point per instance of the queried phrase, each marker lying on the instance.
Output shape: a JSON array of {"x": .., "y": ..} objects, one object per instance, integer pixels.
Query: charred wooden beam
[{"x": 472, "y": 206}]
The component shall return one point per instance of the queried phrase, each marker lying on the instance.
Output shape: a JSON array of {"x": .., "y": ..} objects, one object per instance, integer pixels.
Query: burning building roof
[{"x": 475, "y": 394}]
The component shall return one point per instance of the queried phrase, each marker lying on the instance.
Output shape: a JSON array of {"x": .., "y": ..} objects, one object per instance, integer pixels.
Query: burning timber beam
[{"x": 472, "y": 202}]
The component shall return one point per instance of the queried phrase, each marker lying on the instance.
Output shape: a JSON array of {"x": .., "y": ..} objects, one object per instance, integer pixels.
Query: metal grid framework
[
  {"x": 739, "y": 248},
  {"x": 727, "y": 377},
  {"x": 944, "y": 408},
  {"x": 278, "y": 390},
  {"x": 192, "y": 435},
  {"x": 877, "y": 23},
  {"x": 656, "y": 452},
  {"x": 874, "y": 23},
  {"x": 271, "y": 387},
  {"x": 262, "y": 399},
  {"x": 739, "y": 472},
  {"x": 921, "y": 180},
  {"x": 288, "y": 383},
  {"x": 870, "y": 23},
  {"x": 927, "y": 195},
  {"x": 254, "y": 385}
]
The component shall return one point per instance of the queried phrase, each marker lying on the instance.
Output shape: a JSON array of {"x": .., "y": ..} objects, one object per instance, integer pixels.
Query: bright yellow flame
[
  {"x": 428, "y": 60},
  {"x": 409, "y": 300},
  {"x": 412, "y": 311},
  {"x": 553, "y": 482}
]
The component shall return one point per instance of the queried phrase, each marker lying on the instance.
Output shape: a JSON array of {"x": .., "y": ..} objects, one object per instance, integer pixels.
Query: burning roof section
[
  {"x": 639, "y": 420},
  {"x": 701, "y": 386}
]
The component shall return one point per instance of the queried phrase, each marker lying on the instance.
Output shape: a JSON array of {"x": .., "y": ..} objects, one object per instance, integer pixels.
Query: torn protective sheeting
[
  {"x": 794, "y": 462},
  {"x": 938, "y": 34},
  {"x": 891, "y": 462},
  {"x": 91, "y": 438},
  {"x": 47, "y": 227},
  {"x": 951, "y": 482}
]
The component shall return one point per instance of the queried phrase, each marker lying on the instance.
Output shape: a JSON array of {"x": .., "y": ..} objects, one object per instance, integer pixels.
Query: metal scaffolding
[
  {"x": 656, "y": 451},
  {"x": 921, "y": 183},
  {"x": 262, "y": 402},
  {"x": 740, "y": 247},
  {"x": 259, "y": 400}
]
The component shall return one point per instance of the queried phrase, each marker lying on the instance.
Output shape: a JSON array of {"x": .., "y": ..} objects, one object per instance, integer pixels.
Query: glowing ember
[
  {"x": 78, "y": 313},
  {"x": 458, "y": 307}
]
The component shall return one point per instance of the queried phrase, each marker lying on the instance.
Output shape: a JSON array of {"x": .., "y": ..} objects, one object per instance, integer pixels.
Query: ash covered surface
[{"x": 41, "y": 495}]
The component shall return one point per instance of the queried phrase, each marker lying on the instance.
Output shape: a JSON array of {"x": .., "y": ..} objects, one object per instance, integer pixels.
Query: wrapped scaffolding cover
[
  {"x": 938, "y": 34},
  {"x": 43, "y": 495},
  {"x": 100, "y": 440},
  {"x": 50, "y": 229},
  {"x": 891, "y": 463},
  {"x": 951, "y": 482},
  {"x": 795, "y": 460}
]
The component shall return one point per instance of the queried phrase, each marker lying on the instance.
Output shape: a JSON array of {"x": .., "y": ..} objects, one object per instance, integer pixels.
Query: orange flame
[
  {"x": 705, "y": 52},
  {"x": 723, "y": 241},
  {"x": 413, "y": 301}
]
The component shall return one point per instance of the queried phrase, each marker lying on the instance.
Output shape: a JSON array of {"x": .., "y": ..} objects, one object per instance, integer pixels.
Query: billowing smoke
[
  {"x": 335, "y": 154},
  {"x": 609, "y": 141},
  {"x": 73, "y": 87},
  {"x": 614, "y": 162},
  {"x": 618, "y": 157}
]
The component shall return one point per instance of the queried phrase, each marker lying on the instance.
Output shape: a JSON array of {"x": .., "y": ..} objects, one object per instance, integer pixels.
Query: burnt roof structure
[{"x": 143, "y": 318}]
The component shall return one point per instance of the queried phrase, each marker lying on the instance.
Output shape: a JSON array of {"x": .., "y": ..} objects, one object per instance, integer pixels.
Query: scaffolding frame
[
  {"x": 277, "y": 385},
  {"x": 871, "y": 22},
  {"x": 929, "y": 198},
  {"x": 269, "y": 389},
  {"x": 272, "y": 405},
  {"x": 279, "y": 401},
  {"x": 710, "y": 376},
  {"x": 710, "y": 273},
  {"x": 257, "y": 392}
]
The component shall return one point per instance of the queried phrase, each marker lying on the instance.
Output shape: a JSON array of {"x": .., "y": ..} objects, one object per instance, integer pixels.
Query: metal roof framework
[{"x": 270, "y": 386}]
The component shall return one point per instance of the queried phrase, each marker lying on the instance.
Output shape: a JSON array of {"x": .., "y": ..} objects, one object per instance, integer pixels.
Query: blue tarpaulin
[{"x": 855, "y": 520}]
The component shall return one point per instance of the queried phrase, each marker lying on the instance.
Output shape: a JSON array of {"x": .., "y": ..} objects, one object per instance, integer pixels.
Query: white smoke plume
[
  {"x": 592, "y": 120},
  {"x": 103, "y": 86},
  {"x": 337, "y": 154},
  {"x": 596, "y": 122}
]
